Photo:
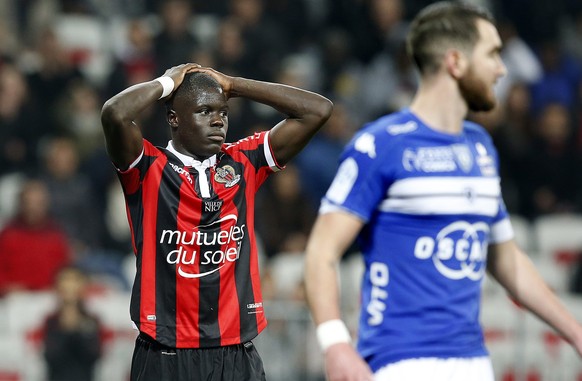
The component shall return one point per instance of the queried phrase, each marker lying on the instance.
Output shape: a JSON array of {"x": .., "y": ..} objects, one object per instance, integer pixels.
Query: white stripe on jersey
[
  {"x": 269, "y": 155},
  {"x": 444, "y": 195},
  {"x": 501, "y": 232}
]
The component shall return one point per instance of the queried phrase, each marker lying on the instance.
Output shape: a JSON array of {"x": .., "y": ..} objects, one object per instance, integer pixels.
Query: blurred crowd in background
[{"x": 60, "y": 201}]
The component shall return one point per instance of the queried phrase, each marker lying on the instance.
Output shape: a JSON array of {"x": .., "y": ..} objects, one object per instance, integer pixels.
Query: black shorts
[{"x": 155, "y": 362}]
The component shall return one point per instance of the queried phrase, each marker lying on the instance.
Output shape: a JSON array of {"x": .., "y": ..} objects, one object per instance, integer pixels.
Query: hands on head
[{"x": 177, "y": 74}]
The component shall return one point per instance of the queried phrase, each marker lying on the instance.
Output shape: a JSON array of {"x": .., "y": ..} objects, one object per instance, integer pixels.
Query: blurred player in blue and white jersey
[{"x": 420, "y": 191}]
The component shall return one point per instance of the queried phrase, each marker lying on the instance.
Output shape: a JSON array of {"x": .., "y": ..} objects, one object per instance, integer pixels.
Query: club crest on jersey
[
  {"x": 463, "y": 156},
  {"x": 227, "y": 176}
]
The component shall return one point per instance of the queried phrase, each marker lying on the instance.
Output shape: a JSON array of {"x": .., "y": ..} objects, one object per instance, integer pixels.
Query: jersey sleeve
[
  {"x": 364, "y": 174},
  {"x": 501, "y": 229},
  {"x": 256, "y": 150},
  {"x": 132, "y": 177}
]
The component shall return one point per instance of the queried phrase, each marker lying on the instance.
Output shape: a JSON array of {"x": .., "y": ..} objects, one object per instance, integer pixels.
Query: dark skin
[{"x": 199, "y": 125}]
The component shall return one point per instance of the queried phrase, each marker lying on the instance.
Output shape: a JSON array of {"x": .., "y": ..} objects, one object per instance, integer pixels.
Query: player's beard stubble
[{"x": 476, "y": 92}]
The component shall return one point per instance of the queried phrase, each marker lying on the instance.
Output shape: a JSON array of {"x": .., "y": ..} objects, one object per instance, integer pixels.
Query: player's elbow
[
  {"x": 112, "y": 114},
  {"x": 323, "y": 109},
  {"x": 318, "y": 112}
]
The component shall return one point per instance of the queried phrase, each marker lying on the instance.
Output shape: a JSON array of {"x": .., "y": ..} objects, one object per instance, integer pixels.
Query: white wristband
[
  {"x": 332, "y": 332},
  {"x": 167, "y": 84}
]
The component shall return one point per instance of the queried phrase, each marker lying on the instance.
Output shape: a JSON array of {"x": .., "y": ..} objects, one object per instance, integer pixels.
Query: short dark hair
[
  {"x": 193, "y": 83},
  {"x": 440, "y": 26}
]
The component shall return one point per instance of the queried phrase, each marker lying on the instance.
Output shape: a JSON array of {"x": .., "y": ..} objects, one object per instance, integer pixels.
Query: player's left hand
[
  {"x": 224, "y": 80},
  {"x": 342, "y": 363}
]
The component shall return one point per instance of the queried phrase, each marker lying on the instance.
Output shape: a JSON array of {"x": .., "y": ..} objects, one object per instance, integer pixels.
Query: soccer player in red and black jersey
[{"x": 196, "y": 298}]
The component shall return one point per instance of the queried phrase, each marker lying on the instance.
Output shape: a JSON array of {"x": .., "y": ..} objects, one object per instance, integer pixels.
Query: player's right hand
[
  {"x": 343, "y": 363},
  {"x": 178, "y": 72}
]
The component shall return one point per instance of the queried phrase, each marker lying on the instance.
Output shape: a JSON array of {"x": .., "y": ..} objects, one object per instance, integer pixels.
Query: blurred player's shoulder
[
  {"x": 383, "y": 135},
  {"x": 472, "y": 128},
  {"x": 397, "y": 123},
  {"x": 391, "y": 126}
]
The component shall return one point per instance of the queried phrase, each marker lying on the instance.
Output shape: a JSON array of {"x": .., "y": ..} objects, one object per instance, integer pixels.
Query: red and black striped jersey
[{"x": 197, "y": 283}]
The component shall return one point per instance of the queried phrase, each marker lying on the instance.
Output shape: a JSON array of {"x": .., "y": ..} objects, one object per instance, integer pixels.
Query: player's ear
[
  {"x": 456, "y": 63},
  {"x": 172, "y": 118}
]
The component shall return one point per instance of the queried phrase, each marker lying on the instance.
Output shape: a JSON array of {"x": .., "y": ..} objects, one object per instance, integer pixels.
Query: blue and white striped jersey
[{"x": 431, "y": 202}]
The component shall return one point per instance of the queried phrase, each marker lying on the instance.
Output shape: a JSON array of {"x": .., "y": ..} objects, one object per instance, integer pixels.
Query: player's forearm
[
  {"x": 123, "y": 137},
  {"x": 292, "y": 101},
  {"x": 515, "y": 271},
  {"x": 322, "y": 288},
  {"x": 330, "y": 237},
  {"x": 123, "y": 108},
  {"x": 534, "y": 294},
  {"x": 321, "y": 284}
]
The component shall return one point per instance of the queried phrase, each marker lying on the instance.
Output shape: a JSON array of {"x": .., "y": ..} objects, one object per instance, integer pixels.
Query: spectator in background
[
  {"x": 571, "y": 34},
  {"x": 264, "y": 39},
  {"x": 294, "y": 21},
  {"x": 550, "y": 183},
  {"x": 79, "y": 118},
  {"x": 511, "y": 127},
  {"x": 230, "y": 52},
  {"x": 72, "y": 337},
  {"x": 513, "y": 139},
  {"x": 375, "y": 25},
  {"x": 72, "y": 197},
  {"x": 388, "y": 80},
  {"x": 18, "y": 121},
  {"x": 175, "y": 42},
  {"x": 337, "y": 66},
  {"x": 9, "y": 43},
  {"x": 534, "y": 20},
  {"x": 50, "y": 79},
  {"x": 137, "y": 60},
  {"x": 32, "y": 246},
  {"x": 386, "y": 84},
  {"x": 79, "y": 207},
  {"x": 388, "y": 19},
  {"x": 523, "y": 66},
  {"x": 561, "y": 77},
  {"x": 286, "y": 214},
  {"x": 317, "y": 163}
]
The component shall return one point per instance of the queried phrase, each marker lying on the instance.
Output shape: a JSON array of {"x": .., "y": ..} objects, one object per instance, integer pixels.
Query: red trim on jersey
[
  {"x": 151, "y": 185},
  {"x": 188, "y": 290},
  {"x": 228, "y": 303},
  {"x": 254, "y": 260},
  {"x": 130, "y": 183},
  {"x": 130, "y": 180}
]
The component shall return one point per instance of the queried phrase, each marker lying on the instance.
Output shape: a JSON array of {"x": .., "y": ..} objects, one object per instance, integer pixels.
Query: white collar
[{"x": 190, "y": 161}]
